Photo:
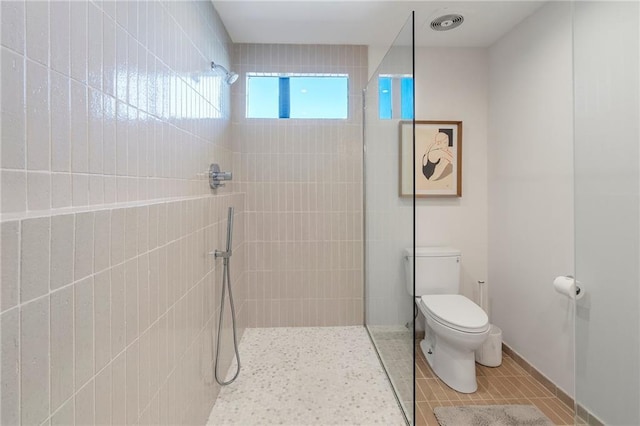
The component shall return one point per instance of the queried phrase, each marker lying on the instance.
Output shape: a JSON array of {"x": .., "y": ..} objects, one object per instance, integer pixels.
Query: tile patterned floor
[
  {"x": 507, "y": 384},
  {"x": 307, "y": 376},
  {"x": 395, "y": 346}
]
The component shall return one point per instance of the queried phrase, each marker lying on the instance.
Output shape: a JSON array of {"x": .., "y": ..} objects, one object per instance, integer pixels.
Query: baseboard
[{"x": 584, "y": 415}]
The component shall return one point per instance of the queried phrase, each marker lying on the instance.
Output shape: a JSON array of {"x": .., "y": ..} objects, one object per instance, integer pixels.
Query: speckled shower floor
[{"x": 307, "y": 376}]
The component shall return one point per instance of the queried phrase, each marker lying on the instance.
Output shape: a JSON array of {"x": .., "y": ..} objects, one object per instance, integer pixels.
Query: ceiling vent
[{"x": 447, "y": 22}]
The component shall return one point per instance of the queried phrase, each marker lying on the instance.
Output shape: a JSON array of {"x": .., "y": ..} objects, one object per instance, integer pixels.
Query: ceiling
[{"x": 368, "y": 22}]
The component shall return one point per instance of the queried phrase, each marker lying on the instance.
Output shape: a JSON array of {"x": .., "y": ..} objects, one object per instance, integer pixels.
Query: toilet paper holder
[
  {"x": 569, "y": 286},
  {"x": 577, "y": 284}
]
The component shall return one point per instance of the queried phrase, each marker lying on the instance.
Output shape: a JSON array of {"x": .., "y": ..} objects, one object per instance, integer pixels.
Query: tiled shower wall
[
  {"x": 303, "y": 181},
  {"x": 108, "y": 298}
]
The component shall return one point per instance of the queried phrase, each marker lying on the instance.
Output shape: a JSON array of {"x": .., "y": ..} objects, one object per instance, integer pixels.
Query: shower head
[{"x": 229, "y": 77}]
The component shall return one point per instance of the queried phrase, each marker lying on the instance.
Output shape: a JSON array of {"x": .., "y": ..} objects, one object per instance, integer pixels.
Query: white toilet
[{"x": 455, "y": 326}]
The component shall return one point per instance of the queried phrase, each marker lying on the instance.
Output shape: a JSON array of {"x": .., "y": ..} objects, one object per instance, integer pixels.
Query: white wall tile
[
  {"x": 13, "y": 25},
  {"x": 37, "y": 30},
  {"x": 60, "y": 35},
  {"x": 94, "y": 46},
  {"x": 78, "y": 32},
  {"x": 121, "y": 64},
  {"x": 79, "y": 128},
  {"x": 102, "y": 238},
  {"x": 131, "y": 388},
  {"x": 34, "y": 361},
  {"x": 12, "y": 110},
  {"x": 96, "y": 190},
  {"x": 108, "y": 294},
  {"x": 119, "y": 398},
  {"x": 64, "y": 416},
  {"x": 37, "y": 116},
  {"x": 121, "y": 138},
  {"x": 9, "y": 264},
  {"x": 34, "y": 258},
  {"x": 85, "y": 405},
  {"x": 292, "y": 204},
  {"x": 79, "y": 189},
  {"x": 83, "y": 326},
  {"x": 61, "y": 191},
  {"x": 14, "y": 191},
  {"x": 118, "y": 330},
  {"x": 38, "y": 191},
  {"x": 62, "y": 338},
  {"x": 103, "y": 393},
  {"x": 130, "y": 234},
  {"x": 60, "y": 120},
  {"x": 131, "y": 300},
  {"x": 9, "y": 358},
  {"x": 62, "y": 232},
  {"x": 83, "y": 248},
  {"x": 95, "y": 135},
  {"x": 109, "y": 57},
  {"x": 102, "y": 319},
  {"x": 117, "y": 236}
]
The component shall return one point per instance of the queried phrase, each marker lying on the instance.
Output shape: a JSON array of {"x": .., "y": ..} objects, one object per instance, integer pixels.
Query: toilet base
[{"x": 455, "y": 367}]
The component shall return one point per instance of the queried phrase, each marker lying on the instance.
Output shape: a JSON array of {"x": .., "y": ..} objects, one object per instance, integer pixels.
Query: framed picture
[{"x": 438, "y": 159}]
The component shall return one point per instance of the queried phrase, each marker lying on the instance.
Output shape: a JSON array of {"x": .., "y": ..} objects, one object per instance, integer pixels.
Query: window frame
[{"x": 284, "y": 102}]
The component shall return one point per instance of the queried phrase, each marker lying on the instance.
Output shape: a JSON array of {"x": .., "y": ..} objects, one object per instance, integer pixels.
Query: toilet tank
[{"x": 437, "y": 270}]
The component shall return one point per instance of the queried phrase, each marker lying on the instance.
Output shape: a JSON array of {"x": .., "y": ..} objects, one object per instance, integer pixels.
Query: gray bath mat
[{"x": 491, "y": 415}]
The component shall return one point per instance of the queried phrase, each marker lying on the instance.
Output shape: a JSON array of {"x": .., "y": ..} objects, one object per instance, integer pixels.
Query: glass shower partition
[
  {"x": 607, "y": 211},
  {"x": 389, "y": 217}
]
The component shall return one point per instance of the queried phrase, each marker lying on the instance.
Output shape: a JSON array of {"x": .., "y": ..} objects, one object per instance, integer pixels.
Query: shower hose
[{"x": 226, "y": 284}]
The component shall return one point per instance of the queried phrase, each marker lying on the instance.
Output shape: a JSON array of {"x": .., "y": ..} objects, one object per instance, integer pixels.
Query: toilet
[{"x": 455, "y": 326}]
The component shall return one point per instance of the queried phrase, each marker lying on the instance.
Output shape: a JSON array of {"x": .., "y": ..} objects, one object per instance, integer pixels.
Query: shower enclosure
[
  {"x": 607, "y": 211},
  {"x": 389, "y": 218}
]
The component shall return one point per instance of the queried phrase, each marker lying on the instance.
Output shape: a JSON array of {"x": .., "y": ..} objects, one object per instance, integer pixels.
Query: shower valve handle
[{"x": 216, "y": 176}]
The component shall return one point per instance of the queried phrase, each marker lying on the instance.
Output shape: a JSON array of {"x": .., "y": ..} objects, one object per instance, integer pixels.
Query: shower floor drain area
[{"x": 306, "y": 376}]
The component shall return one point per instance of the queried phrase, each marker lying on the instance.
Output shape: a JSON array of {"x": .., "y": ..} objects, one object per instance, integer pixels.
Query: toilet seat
[{"x": 455, "y": 311}]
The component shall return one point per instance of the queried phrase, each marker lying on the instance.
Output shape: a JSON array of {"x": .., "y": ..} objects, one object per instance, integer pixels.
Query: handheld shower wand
[{"x": 226, "y": 284}]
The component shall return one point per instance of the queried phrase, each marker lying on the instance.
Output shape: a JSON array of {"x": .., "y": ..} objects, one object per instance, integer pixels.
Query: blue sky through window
[
  {"x": 406, "y": 98},
  {"x": 384, "y": 103},
  {"x": 310, "y": 96},
  {"x": 262, "y": 101},
  {"x": 387, "y": 85}
]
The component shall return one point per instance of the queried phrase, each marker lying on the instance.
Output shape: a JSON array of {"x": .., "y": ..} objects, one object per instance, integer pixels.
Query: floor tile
[{"x": 307, "y": 376}]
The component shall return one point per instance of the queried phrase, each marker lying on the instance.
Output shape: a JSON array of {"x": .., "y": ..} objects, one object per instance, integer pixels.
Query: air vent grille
[{"x": 447, "y": 22}]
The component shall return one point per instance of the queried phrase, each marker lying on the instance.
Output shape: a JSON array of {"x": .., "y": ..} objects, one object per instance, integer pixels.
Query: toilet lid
[{"x": 456, "y": 311}]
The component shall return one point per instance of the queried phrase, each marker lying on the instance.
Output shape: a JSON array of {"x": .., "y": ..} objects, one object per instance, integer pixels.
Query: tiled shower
[
  {"x": 303, "y": 183},
  {"x": 111, "y": 117}
]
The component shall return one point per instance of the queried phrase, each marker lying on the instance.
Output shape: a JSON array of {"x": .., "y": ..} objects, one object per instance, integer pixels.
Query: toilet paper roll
[{"x": 567, "y": 286}]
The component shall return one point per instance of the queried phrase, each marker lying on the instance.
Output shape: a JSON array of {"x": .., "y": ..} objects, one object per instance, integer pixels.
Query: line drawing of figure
[{"x": 437, "y": 161}]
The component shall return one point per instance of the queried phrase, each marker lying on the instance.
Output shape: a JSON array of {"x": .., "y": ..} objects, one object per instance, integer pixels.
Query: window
[
  {"x": 298, "y": 96},
  {"x": 398, "y": 107}
]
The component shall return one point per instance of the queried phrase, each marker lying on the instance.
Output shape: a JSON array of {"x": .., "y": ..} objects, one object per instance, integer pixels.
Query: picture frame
[{"x": 438, "y": 159}]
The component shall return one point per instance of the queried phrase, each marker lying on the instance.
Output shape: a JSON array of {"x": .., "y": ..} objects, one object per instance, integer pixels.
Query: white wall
[
  {"x": 607, "y": 170},
  {"x": 530, "y": 189},
  {"x": 451, "y": 84}
]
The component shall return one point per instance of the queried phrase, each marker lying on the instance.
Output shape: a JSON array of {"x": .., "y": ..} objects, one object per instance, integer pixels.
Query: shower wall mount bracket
[{"x": 216, "y": 176}]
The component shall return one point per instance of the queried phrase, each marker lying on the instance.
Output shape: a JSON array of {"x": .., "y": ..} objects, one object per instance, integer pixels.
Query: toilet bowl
[{"x": 455, "y": 326}]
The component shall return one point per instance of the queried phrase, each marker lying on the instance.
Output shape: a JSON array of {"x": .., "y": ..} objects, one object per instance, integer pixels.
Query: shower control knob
[{"x": 216, "y": 176}]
